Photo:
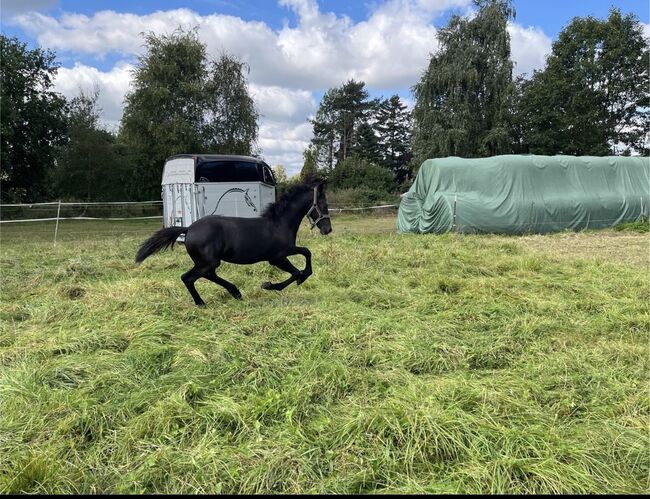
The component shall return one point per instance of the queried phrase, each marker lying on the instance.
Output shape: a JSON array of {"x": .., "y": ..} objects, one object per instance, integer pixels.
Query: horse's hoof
[
  {"x": 201, "y": 304},
  {"x": 267, "y": 285},
  {"x": 237, "y": 295}
]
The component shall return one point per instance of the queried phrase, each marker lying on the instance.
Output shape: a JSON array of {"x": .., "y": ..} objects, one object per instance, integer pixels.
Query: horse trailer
[{"x": 197, "y": 185}]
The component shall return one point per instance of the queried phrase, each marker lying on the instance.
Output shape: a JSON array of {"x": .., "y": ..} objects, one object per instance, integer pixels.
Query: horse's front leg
[
  {"x": 297, "y": 250},
  {"x": 287, "y": 266}
]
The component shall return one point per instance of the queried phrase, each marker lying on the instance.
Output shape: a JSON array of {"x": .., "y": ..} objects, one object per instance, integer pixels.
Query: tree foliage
[
  {"x": 230, "y": 124},
  {"x": 462, "y": 97},
  {"x": 393, "y": 125},
  {"x": 89, "y": 166},
  {"x": 309, "y": 168},
  {"x": 32, "y": 120},
  {"x": 349, "y": 124},
  {"x": 181, "y": 103},
  {"x": 280, "y": 174},
  {"x": 355, "y": 172},
  {"x": 163, "y": 113},
  {"x": 340, "y": 116},
  {"x": 593, "y": 93}
]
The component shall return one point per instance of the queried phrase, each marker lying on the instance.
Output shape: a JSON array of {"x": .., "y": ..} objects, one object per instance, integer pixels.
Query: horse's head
[
  {"x": 249, "y": 201},
  {"x": 318, "y": 214}
]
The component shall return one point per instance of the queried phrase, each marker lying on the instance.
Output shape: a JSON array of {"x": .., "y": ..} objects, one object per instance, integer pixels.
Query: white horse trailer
[{"x": 197, "y": 185}]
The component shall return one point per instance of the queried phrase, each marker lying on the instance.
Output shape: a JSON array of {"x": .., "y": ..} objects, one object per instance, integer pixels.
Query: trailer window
[
  {"x": 269, "y": 178},
  {"x": 227, "y": 171}
]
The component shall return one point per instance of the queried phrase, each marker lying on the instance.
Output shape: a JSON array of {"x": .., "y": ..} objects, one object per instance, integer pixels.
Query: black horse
[{"x": 272, "y": 237}]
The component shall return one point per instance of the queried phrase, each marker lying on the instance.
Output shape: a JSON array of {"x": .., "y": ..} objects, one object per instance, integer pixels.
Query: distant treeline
[{"x": 591, "y": 98}]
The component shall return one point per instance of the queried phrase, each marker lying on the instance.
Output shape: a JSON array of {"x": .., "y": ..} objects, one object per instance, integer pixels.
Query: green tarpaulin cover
[{"x": 515, "y": 194}]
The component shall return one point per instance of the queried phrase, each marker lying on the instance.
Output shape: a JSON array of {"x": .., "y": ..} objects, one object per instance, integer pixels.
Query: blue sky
[{"x": 296, "y": 49}]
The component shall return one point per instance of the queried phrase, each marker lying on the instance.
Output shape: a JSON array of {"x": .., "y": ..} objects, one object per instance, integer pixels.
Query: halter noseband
[{"x": 314, "y": 206}]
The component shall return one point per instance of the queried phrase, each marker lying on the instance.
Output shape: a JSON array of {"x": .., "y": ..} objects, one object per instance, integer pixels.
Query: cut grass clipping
[{"x": 409, "y": 364}]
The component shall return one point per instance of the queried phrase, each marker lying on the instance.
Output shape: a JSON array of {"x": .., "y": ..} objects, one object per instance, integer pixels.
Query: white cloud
[
  {"x": 112, "y": 86},
  {"x": 646, "y": 30},
  {"x": 277, "y": 103},
  {"x": 529, "y": 46},
  {"x": 284, "y": 144},
  {"x": 388, "y": 50}
]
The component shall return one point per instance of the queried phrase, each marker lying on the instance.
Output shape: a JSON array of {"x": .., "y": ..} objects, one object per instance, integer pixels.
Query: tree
[
  {"x": 592, "y": 95},
  {"x": 515, "y": 120},
  {"x": 309, "y": 168},
  {"x": 177, "y": 107},
  {"x": 366, "y": 143},
  {"x": 394, "y": 133},
  {"x": 87, "y": 165},
  {"x": 163, "y": 114},
  {"x": 230, "y": 125},
  {"x": 280, "y": 174},
  {"x": 341, "y": 113},
  {"x": 32, "y": 120},
  {"x": 462, "y": 97}
]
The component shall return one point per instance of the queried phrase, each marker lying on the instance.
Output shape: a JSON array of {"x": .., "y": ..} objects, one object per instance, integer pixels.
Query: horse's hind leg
[
  {"x": 229, "y": 286},
  {"x": 287, "y": 266},
  {"x": 189, "y": 278}
]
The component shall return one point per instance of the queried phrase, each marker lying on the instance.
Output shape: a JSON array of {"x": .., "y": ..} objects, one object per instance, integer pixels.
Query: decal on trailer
[{"x": 247, "y": 198}]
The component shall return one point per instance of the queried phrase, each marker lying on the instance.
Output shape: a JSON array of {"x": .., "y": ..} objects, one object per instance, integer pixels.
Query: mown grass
[{"x": 406, "y": 363}]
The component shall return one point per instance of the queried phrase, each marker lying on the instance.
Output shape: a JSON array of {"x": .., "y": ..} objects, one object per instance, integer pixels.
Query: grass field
[{"x": 406, "y": 363}]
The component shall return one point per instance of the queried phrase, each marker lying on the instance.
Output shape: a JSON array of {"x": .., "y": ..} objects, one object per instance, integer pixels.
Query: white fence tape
[
  {"x": 56, "y": 204},
  {"x": 73, "y": 218},
  {"x": 364, "y": 208},
  {"x": 108, "y": 203}
]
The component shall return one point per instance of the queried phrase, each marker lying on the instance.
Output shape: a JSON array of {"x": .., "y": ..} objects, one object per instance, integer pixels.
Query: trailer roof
[{"x": 217, "y": 157}]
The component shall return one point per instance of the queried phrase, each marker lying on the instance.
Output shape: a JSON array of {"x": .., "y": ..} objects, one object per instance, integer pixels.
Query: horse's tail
[{"x": 161, "y": 240}]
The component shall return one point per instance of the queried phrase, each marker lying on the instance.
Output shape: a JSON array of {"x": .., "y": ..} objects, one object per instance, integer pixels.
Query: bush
[
  {"x": 359, "y": 197},
  {"x": 358, "y": 173}
]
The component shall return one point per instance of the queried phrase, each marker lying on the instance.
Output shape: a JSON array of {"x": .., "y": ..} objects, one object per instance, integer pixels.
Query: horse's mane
[{"x": 275, "y": 210}]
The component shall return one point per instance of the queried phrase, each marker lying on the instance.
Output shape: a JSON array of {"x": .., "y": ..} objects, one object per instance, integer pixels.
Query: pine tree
[
  {"x": 394, "y": 130},
  {"x": 341, "y": 112},
  {"x": 365, "y": 143}
]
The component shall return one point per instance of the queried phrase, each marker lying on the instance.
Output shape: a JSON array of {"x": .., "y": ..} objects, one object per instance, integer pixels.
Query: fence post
[{"x": 56, "y": 229}]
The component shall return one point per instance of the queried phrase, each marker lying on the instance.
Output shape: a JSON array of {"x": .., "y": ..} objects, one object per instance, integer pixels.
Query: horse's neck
[{"x": 295, "y": 213}]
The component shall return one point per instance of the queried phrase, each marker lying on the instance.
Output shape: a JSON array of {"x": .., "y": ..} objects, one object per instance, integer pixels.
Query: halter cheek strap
[{"x": 314, "y": 206}]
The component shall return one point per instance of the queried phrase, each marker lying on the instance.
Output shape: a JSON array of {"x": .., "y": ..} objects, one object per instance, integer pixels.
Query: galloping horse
[{"x": 272, "y": 237}]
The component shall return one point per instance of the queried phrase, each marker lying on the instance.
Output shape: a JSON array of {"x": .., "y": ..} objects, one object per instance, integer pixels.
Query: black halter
[{"x": 314, "y": 206}]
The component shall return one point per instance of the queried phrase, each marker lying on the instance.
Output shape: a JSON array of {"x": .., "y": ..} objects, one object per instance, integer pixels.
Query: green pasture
[{"x": 406, "y": 364}]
